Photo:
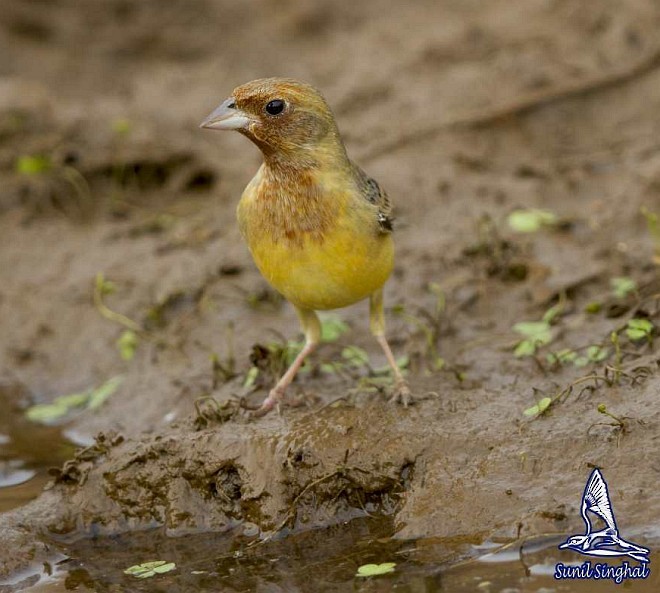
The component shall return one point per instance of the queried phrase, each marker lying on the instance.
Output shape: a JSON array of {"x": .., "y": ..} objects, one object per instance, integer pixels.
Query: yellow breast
[{"x": 322, "y": 255}]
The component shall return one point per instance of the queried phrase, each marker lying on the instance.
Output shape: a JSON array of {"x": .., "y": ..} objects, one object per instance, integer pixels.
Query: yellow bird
[{"x": 318, "y": 227}]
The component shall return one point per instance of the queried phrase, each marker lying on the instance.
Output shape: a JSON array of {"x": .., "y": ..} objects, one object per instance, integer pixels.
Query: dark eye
[
  {"x": 232, "y": 105},
  {"x": 275, "y": 107}
]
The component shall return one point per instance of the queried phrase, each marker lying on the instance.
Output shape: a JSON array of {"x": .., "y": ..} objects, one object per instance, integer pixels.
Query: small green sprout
[
  {"x": 639, "y": 329},
  {"x": 332, "y": 328},
  {"x": 355, "y": 356},
  {"x": 531, "y": 220},
  {"x": 251, "y": 377},
  {"x": 622, "y": 286},
  {"x": 536, "y": 333},
  {"x": 565, "y": 356},
  {"x": 653, "y": 224},
  {"x": 562, "y": 356},
  {"x": 150, "y": 569},
  {"x": 121, "y": 126},
  {"x": 541, "y": 406},
  {"x": 33, "y": 165},
  {"x": 374, "y": 570},
  {"x": 64, "y": 405},
  {"x": 597, "y": 353},
  {"x": 127, "y": 344},
  {"x": 593, "y": 307},
  {"x": 602, "y": 409}
]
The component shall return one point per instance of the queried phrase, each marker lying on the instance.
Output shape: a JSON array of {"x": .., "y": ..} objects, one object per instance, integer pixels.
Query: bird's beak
[
  {"x": 563, "y": 546},
  {"x": 226, "y": 117}
]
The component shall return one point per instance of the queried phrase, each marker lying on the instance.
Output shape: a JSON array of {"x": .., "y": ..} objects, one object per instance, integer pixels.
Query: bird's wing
[
  {"x": 375, "y": 195},
  {"x": 597, "y": 499}
]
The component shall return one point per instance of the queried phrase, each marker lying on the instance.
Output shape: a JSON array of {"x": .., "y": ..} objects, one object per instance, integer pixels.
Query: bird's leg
[
  {"x": 401, "y": 391},
  {"x": 312, "y": 328}
]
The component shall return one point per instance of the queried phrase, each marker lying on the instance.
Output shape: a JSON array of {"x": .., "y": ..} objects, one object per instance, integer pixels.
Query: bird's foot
[
  {"x": 274, "y": 398},
  {"x": 401, "y": 393}
]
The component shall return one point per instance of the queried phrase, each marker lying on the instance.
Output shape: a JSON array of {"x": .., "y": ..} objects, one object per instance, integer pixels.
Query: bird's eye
[
  {"x": 232, "y": 105},
  {"x": 275, "y": 107}
]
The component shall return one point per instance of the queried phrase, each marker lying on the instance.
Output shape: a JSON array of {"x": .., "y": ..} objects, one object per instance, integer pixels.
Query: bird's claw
[
  {"x": 401, "y": 394},
  {"x": 274, "y": 399}
]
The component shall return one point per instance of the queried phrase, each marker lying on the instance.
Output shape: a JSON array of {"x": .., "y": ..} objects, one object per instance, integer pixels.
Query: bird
[
  {"x": 319, "y": 229},
  {"x": 606, "y": 541}
]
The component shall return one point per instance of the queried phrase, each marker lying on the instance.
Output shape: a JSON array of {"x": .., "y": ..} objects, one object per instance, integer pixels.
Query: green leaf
[
  {"x": 537, "y": 333},
  {"x": 165, "y": 568},
  {"x": 638, "y": 329},
  {"x": 355, "y": 356},
  {"x": 149, "y": 569},
  {"x": 98, "y": 396},
  {"x": 562, "y": 356},
  {"x": 525, "y": 348},
  {"x": 32, "y": 165},
  {"x": 531, "y": 220},
  {"x": 46, "y": 413},
  {"x": 332, "y": 328},
  {"x": 550, "y": 315},
  {"x": 623, "y": 286},
  {"x": 251, "y": 377},
  {"x": 597, "y": 353},
  {"x": 542, "y": 405},
  {"x": 63, "y": 405},
  {"x": 539, "y": 330},
  {"x": 127, "y": 344},
  {"x": 373, "y": 570}
]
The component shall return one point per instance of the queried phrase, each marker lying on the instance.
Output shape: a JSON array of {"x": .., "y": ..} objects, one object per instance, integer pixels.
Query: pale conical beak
[{"x": 226, "y": 117}]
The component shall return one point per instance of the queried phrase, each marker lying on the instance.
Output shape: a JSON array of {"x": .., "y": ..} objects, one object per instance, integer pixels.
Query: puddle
[
  {"x": 27, "y": 450},
  {"x": 314, "y": 561}
]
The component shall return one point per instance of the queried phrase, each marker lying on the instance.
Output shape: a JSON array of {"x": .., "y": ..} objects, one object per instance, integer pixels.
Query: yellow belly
[{"x": 340, "y": 270}]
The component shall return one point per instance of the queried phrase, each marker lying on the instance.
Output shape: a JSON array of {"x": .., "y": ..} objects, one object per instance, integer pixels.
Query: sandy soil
[{"x": 464, "y": 112}]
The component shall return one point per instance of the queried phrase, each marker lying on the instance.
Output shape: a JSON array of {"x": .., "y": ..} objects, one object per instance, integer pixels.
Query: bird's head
[
  {"x": 571, "y": 542},
  {"x": 282, "y": 116}
]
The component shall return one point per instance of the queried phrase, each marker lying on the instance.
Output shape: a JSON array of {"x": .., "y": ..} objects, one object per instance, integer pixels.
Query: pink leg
[
  {"x": 401, "y": 392},
  {"x": 312, "y": 328}
]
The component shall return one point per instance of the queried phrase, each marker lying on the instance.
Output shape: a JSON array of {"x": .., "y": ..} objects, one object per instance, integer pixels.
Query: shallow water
[
  {"x": 27, "y": 450},
  {"x": 317, "y": 561}
]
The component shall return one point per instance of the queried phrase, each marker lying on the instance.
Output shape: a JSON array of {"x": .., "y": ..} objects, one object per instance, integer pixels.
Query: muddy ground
[{"x": 464, "y": 112}]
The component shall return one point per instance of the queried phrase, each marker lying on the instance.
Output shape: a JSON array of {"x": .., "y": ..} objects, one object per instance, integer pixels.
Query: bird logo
[{"x": 605, "y": 542}]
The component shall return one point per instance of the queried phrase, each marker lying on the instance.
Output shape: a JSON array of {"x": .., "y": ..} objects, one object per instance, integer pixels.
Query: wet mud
[{"x": 464, "y": 113}]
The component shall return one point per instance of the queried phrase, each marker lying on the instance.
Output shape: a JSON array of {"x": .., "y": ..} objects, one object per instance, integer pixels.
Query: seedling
[
  {"x": 374, "y": 570},
  {"x": 537, "y": 333},
  {"x": 150, "y": 569},
  {"x": 640, "y": 329},
  {"x": 64, "y": 405},
  {"x": 623, "y": 286},
  {"x": 593, "y": 354},
  {"x": 653, "y": 224},
  {"x": 103, "y": 287},
  {"x": 127, "y": 344},
  {"x": 541, "y": 406},
  {"x": 531, "y": 220},
  {"x": 602, "y": 409},
  {"x": 32, "y": 166}
]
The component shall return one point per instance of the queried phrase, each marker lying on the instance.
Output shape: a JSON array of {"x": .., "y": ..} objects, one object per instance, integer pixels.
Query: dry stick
[{"x": 523, "y": 105}]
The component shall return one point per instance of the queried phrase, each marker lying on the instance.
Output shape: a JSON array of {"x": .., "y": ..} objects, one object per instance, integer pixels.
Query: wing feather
[
  {"x": 597, "y": 499},
  {"x": 375, "y": 195}
]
